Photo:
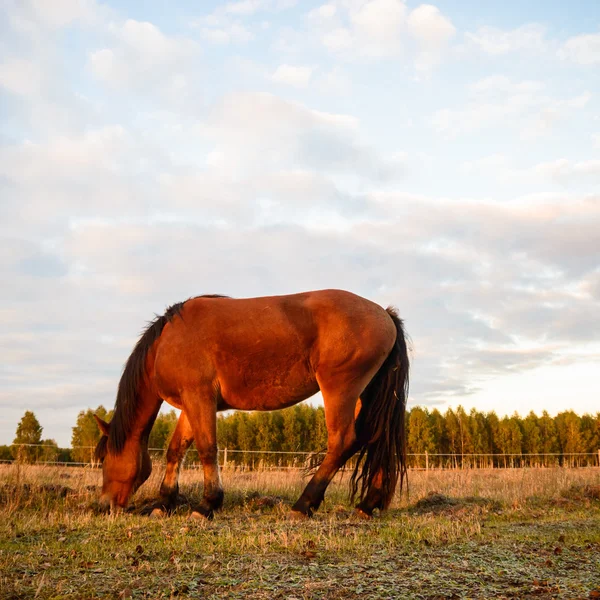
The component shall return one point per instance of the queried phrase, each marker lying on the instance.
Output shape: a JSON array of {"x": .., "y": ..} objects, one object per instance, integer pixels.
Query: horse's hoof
[
  {"x": 157, "y": 513},
  {"x": 361, "y": 514},
  {"x": 296, "y": 515},
  {"x": 202, "y": 516}
]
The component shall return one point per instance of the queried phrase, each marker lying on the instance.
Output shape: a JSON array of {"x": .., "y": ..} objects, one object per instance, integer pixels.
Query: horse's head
[{"x": 122, "y": 473}]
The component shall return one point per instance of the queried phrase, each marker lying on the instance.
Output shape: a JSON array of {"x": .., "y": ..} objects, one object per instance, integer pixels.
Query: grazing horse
[{"x": 214, "y": 353}]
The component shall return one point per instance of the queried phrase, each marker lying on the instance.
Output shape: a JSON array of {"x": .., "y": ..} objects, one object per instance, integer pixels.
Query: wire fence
[{"x": 43, "y": 454}]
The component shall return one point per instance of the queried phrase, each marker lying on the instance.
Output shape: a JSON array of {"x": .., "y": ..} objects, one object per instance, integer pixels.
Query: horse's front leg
[
  {"x": 202, "y": 415},
  {"x": 181, "y": 440}
]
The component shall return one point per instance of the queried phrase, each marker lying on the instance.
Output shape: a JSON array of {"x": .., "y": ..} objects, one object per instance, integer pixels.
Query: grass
[{"x": 460, "y": 534}]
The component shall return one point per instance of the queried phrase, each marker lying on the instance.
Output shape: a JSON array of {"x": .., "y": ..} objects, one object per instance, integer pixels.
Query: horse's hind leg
[
  {"x": 181, "y": 440},
  {"x": 341, "y": 445},
  {"x": 201, "y": 410},
  {"x": 373, "y": 498}
]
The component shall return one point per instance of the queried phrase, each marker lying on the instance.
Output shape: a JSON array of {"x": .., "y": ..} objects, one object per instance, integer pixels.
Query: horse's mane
[{"x": 126, "y": 404}]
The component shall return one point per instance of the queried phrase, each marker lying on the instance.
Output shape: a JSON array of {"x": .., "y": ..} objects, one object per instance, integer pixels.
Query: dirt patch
[
  {"x": 438, "y": 503},
  {"x": 582, "y": 492}
]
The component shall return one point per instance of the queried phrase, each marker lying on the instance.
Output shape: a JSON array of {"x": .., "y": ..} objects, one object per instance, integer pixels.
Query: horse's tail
[
  {"x": 380, "y": 425},
  {"x": 134, "y": 374}
]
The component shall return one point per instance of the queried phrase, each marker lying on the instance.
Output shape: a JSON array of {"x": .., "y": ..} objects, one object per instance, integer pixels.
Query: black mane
[{"x": 125, "y": 413}]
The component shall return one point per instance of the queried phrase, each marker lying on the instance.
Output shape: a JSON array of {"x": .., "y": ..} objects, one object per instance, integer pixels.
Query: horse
[{"x": 213, "y": 353}]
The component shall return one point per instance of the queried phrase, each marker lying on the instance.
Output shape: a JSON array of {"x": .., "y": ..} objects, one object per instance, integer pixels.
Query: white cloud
[
  {"x": 564, "y": 169},
  {"x": 433, "y": 31},
  {"x": 220, "y": 29},
  {"x": 596, "y": 140},
  {"x": 323, "y": 12},
  {"x": 498, "y": 99},
  {"x": 245, "y": 7},
  {"x": 362, "y": 29},
  {"x": 34, "y": 16},
  {"x": 296, "y": 76},
  {"x": 429, "y": 26},
  {"x": 251, "y": 7},
  {"x": 115, "y": 203},
  {"x": 377, "y": 25},
  {"x": 334, "y": 82},
  {"x": 528, "y": 38},
  {"x": 582, "y": 49},
  {"x": 225, "y": 25},
  {"x": 95, "y": 150},
  {"x": 253, "y": 130},
  {"x": 376, "y": 29},
  {"x": 338, "y": 39},
  {"x": 143, "y": 55},
  {"x": 20, "y": 76}
]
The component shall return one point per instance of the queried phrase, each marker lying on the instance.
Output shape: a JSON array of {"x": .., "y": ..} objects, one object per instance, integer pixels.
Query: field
[{"x": 514, "y": 533}]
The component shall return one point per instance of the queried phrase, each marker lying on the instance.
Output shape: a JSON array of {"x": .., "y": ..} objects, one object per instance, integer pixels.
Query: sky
[{"x": 443, "y": 158}]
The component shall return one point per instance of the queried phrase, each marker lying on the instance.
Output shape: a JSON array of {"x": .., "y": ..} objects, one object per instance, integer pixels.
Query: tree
[
  {"x": 29, "y": 431},
  {"x": 226, "y": 432},
  {"x": 480, "y": 437},
  {"x": 86, "y": 434},
  {"x": 49, "y": 451},
  {"x": 5, "y": 453},
  {"x": 510, "y": 439},
  {"x": 532, "y": 438},
  {"x": 438, "y": 431},
  {"x": 419, "y": 438},
  {"x": 590, "y": 434},
  {"x": 548, "y": 437},
  {"x": 568, "y": 428},
  {"x": 162, "y": 430},
  {"x": 293, "y": 426}
]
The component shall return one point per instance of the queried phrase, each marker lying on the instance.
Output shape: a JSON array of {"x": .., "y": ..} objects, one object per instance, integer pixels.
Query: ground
[{"x": 530, "y": 533}]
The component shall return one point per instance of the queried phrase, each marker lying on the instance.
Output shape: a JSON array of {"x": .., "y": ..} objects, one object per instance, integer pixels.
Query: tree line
[{"x": 454, "y": 438}]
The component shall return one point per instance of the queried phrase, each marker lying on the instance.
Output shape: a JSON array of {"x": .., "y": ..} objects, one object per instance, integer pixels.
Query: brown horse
[{"x": 213, "y": 353}]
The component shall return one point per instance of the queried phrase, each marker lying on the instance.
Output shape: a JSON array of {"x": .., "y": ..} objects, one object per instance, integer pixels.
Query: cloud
[
  {"x": 245, "y": 7},
  {"x": 323, "y": 12},
  {"x": 142, "y": 56},
  {"x": 562, "y": 171},
  {"x": 145, "y": 179},
  {"x": 432, "y": 31},
  {"x": 522, "y": 105},
  {"x": 530, "y": 38},
  {"x": 218, "y": 28},
  {"x": 227, "y": 24},
  {"x": 297, "y": 76},
  {"x": 251, "y": 7},
  {"x": 581, "y": 49},
  {"x": 251, "y": 128},
  {"x": 33, "y": 17},
  {"x": 21, "y": 76},
  {"x": 380, "y": 29}
]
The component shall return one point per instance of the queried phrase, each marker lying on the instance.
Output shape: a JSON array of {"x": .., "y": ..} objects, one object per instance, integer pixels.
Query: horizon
[{"x": 442, "y": 158}]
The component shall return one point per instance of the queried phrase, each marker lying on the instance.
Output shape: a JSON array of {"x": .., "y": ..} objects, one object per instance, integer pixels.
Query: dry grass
[{"x": 490, "y": 533}]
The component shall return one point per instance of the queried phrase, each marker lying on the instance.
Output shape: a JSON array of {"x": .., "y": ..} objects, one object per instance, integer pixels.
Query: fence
[{"x": 279, "y": 460}]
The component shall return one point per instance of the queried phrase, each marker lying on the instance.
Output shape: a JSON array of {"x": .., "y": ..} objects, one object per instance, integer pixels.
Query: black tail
[
  {"x": 126, "y": 405},
  {"x": 380, "y": 424}
]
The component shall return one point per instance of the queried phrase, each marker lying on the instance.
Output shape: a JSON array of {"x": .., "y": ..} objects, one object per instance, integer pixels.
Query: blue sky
[{"x": 442, "y": 158}]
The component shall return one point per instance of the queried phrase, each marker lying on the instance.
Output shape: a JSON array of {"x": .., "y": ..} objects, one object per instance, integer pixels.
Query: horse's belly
[{"x": 275, "y": 391}]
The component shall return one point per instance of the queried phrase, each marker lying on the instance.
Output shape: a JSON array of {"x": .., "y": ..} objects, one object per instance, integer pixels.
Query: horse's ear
[{"x": 102, "y": 425}]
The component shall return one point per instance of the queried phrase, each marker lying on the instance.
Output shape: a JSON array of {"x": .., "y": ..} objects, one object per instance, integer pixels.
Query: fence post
[
  {"x": 599, "y": 457},
  {"x": 224, "y": 457},
  {"x": 427, "y": 460}
]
